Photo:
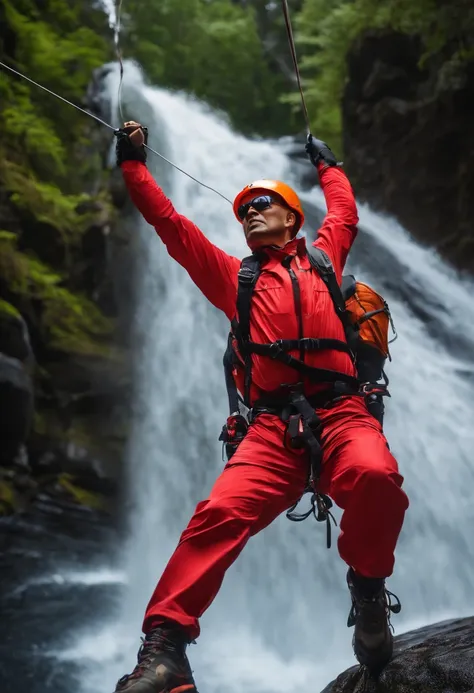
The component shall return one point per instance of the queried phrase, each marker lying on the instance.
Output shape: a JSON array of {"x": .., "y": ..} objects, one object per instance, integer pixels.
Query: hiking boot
[
  {"x": 162, "y": 665},
  {"x": 370, "y": 614}
]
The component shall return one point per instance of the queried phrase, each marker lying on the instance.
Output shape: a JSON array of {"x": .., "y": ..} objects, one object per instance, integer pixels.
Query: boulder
[{"x": 435, "y": 659}]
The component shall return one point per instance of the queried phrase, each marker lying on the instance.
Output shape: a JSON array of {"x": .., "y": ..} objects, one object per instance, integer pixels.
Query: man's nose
[{"x": 251, "y": 212}]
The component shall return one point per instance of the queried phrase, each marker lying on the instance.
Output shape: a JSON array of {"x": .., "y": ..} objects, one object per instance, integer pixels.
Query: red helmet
[{"x": 287, "y": 194}]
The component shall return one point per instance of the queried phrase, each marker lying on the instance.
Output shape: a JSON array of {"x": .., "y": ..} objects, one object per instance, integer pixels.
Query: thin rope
[
  {"x": 61, "y": 98},
  {"x": 291, "y": 41},
  {"x": 107, "y": 125},
  {"x": 188, "y": 174},
  {"x": 118, "y": 24}
]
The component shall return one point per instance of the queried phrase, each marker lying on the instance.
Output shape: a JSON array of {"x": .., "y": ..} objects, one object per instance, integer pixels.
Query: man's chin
[{"x": 257, "y": 238}]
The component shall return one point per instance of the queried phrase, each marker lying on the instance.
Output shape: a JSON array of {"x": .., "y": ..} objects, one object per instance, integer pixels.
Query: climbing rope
[
  {"x": 291, "y": 41},
  {"x": 118, "y": 51}
]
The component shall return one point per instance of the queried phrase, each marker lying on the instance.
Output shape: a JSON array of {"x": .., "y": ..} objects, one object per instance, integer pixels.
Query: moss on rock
[
  {"x": 80, "y": 495},
  {"x": 7, "y": 497},
  {"x": 6, "y": 309},
  {"x": 68, "y": 321}
]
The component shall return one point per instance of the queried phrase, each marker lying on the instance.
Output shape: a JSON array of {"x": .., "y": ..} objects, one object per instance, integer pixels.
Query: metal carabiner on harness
[
  {"x": 232, "y": 434},
  {"x": 320, "y": 508}
]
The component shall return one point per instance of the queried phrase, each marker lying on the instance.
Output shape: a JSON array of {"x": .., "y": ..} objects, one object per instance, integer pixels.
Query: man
[{"x": 266, "y": 476}]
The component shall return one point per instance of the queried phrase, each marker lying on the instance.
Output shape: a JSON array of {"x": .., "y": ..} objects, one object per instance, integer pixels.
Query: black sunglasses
[{"x": 258, "y": 203}]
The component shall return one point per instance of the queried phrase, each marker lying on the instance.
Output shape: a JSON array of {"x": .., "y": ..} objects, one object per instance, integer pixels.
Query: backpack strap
[
  {"x": 322, "y": 264},
  {"x": 348, "y": 286},
  {"x": 247, "y": 277},
  {"x": 232, "y": 392}
]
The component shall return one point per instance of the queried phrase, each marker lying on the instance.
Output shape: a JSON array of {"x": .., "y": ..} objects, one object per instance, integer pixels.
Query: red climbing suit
[{"x": 264, "y": 478}]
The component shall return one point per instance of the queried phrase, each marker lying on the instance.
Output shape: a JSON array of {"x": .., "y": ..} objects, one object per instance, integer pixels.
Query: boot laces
[
  {"x": 156, "y": 641},
  {"x": 384, "y": 596}
]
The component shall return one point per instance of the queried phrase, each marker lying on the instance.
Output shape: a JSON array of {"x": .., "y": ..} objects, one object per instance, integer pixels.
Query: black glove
[
  {"x": 125, "y": 150},
  {"x": 319, "y": 151}
]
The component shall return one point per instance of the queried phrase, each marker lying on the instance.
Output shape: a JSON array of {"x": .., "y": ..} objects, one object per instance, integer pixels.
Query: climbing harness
[{"x": 365, "y": 319}]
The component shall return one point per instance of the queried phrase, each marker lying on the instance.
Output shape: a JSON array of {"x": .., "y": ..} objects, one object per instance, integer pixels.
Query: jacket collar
[{"x": 297, "y": 246}]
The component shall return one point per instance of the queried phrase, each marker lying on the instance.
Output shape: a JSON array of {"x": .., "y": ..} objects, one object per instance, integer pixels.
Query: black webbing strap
[
  {"x": 286, "y": 262},
  {"x": 321, "y": 506},
  {"x": 247, "y": 278},
  {"x": 304, "y": 430},
  {"x": 371, "y": 313},
  {"x": 323, "y": 265},
  {"x": 319, "y": 375},
  {"x": 232, "y": 393},
  {"x": 306, "y": 344}
]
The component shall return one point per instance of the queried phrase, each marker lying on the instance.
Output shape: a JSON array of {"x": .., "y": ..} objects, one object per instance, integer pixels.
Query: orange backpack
[{"x": 369, "y": 313}]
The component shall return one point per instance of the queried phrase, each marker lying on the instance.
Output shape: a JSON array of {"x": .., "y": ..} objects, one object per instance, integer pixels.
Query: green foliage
[
  {"x": 44, "y": 201},
  {"x": 57, "y": 44}
]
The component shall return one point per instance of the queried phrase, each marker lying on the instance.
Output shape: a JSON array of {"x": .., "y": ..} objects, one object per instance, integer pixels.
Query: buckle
[
  {"x": 275, "y": 349},
  {"x": 368, "y": 388},
  {"x": 245, "y": 276},
  {"x": 310, "y": 343}
]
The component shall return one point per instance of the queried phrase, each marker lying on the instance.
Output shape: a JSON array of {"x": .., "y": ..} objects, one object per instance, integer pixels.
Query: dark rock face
[
  {"x": 14, "y": 335},
  {"x": 434, "y": 659},
  {"x": 16, "y": 405},
  {"x": 16, "y": 386},
  {"x": 409, "y": 140}
]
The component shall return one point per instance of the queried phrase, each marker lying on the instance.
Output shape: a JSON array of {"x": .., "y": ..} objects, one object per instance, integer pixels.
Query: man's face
[{"x": 269, "y": 222}]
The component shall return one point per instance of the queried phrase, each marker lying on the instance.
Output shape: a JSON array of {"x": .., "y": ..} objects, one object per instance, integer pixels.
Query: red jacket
[{"x": 273, "y": 312}]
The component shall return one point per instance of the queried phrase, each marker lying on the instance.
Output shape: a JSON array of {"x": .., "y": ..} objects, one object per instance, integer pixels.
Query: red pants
[{"x": 262, "y": 480}]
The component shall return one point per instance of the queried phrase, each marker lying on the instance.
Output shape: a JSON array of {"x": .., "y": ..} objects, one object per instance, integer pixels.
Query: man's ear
[{"x": 290, "y": 220}]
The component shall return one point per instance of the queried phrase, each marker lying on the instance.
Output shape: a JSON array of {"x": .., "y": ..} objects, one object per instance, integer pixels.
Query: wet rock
[
  {"x": 14, "y": 335},
  {"x": 16, "y": 405},
  {"x": 87, "y": 468},
  {"x": 434, "y": 659},
  {"x": 16, "y": 385}
]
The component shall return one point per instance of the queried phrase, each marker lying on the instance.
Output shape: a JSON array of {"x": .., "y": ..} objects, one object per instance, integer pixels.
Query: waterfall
[{"x": 279, "y": 621}]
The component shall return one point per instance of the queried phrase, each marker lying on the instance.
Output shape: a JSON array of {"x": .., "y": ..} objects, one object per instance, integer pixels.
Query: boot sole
[{"x": 374, "y": 660}]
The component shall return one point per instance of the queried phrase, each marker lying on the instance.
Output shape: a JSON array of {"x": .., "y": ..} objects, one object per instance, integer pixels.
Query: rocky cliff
[{"x": 408, "y": 127}]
